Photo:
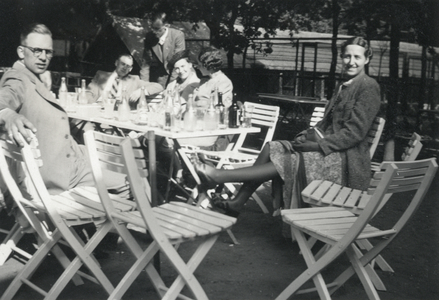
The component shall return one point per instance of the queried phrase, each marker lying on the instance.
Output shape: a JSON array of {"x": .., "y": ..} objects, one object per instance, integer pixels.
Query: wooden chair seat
[{"x": 330, "y": 223}]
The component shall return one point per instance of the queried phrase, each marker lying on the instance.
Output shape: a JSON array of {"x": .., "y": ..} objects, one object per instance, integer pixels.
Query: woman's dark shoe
[
  {"x": 202, "y": 171},
  {"x": 223, "y": 206}
]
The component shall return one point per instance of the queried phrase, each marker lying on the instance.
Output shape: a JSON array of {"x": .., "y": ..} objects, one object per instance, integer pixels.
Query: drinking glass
[
  {"x": 109, "y": 108},
  {"x": 200, "y": 119},
  {"x": 72, "y": 102},
  {"x": 248, "y": 116}
]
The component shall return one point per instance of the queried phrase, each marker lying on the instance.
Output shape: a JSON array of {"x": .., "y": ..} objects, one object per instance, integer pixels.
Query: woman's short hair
[
  {"x": 360, "y": 41},
  {"x": 34, "y": 28},
  {"x": 211, "y": 58}
]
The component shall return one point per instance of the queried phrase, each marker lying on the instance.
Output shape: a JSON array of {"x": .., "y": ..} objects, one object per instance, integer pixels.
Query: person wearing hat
[{"x": 187, "y": 80}]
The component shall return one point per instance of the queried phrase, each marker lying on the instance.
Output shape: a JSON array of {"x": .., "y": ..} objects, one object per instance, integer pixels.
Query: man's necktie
[{"x": 115, "y": 88}]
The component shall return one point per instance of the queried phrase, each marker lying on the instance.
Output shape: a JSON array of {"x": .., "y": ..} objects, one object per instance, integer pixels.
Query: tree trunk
[{"x": 331, "y": 79}]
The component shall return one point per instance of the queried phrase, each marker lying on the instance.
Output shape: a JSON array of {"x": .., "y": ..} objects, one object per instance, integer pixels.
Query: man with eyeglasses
[
  {"x": 113, "y": 82},
  {"x": 161, "y": 43},
  {"x": 27, "y": 105}
]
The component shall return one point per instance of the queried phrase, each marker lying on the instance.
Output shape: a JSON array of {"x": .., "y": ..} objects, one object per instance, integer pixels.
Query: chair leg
[
  {"x": 260, "y": 203},
  {"x": 186, "y": 271},
  {"x": 377, "y": 282},
  {"x": 362, "y": 273},
  {"x": 10, "y": 243},
  {"x": 380, "y": 261},
  {"x": 31, "y": 267},
  {"x": 232, "y": 236},
  {"x": 84, "y": 257},
  {"x": 364, "y": 259},
  {"x": 143, "y": 261},
  {"x": 293, "y": 287}
]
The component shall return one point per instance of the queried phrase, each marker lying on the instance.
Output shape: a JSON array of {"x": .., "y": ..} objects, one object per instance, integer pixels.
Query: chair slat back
[
  {"x": 10, "y": 150},
  {"x": 110, "y": 155},
  {"x": 374, "y": 134},
  {"x": 142, "y": 199},
  {"x": 263, "y": 116},
  {"x": 105, "y": 154},
  {"x": 414, "y": 147},
  {"x": 410, "y": 175},
  {"x": 317, "y": 115}
]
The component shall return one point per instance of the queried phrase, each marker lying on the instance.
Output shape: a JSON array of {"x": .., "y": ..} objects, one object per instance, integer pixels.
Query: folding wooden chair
[
  {"x": 374, "y": 134},
  {"x": 169, "y": 224},
  {"x": 340, "y": 228},
  {"x": 63, "y": 214},
  {"x": 410, "y": 153},
  {"x": 315, "y": 195}
]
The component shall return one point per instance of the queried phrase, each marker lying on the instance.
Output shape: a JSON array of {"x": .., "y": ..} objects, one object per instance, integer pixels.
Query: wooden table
[
  {"x": 150, "y": 133},
  {"x": 292, "y": 104}
]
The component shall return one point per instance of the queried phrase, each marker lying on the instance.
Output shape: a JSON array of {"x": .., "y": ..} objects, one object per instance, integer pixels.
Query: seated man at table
[
  {"x": 114, "y": 82},
  {"x": 27, "y": 105}
]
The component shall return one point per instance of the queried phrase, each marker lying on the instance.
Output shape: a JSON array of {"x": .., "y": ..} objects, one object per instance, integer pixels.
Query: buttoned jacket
[
  {"x": 153, "y": 55},
  {"x": 23, "y": 92},
  {"x": 345, "y": 132}
]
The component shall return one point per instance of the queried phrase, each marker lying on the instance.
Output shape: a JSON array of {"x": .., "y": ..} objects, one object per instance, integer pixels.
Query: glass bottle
[
  {"x": 177, "y": 110},
  {"x": 82, "y": 98},
  {"x": 210, "y": 117},
  {"x": 220, "y": 110},
  {"x": 234, "y": 113},
  {"x": 190, "y": 116},
  {"x": 124, "y": 108},
  {"x": 169, "y": 112},
  {"x": 142, "y": 109},
  {"x": 63, "y": 93}
]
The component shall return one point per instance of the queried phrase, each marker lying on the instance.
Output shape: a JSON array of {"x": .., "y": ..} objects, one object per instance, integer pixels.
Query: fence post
[{"x": 281, "y": 83}]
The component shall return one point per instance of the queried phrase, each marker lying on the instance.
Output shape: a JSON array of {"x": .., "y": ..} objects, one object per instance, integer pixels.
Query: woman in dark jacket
[{"x": 341, "y": 155}]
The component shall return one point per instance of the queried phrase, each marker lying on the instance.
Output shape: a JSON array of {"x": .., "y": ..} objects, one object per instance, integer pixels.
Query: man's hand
[
  {"x": 306, "y": 146},
  {"x": 16, "y": 124},
  {"x": 135, "y": 95}
]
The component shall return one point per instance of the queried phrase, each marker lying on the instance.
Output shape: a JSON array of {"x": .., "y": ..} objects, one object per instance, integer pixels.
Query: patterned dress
[{"x": 317, "y": 166}]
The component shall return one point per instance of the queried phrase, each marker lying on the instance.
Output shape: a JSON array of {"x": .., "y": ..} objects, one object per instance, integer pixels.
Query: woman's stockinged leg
[{"x": 262, "y": 170}]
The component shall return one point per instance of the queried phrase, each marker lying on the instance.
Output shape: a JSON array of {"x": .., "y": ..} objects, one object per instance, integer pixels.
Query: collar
[
  {"x": 217, "y": 73},
  {"x": 19, "y": 65},
  {"x": 163, "y": 37}
]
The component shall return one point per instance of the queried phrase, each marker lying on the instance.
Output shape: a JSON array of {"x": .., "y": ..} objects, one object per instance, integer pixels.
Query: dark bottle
[
  {"x": 234, "y": 113},
  {"x": 221, "y": 111}
]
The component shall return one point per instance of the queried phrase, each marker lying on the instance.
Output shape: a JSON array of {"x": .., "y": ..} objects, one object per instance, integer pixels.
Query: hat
[{"x": 177, "y": 56}]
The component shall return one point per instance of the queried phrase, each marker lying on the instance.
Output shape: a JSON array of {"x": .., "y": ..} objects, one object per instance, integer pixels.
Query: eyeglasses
[{"x": 38, "y": 51}]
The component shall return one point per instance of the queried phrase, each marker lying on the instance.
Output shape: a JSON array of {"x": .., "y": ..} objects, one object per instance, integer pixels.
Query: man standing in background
[{"x": 161, "y": 43}]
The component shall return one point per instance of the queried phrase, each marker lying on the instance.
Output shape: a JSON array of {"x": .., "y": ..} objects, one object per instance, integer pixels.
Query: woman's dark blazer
[{"x": 352, "y": 117}]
